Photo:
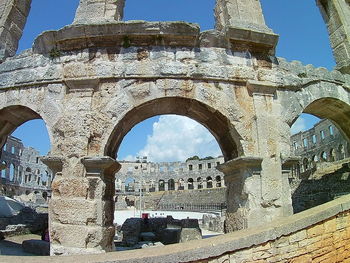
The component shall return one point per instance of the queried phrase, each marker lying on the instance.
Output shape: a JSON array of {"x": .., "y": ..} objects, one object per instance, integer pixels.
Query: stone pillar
[
  {"x": 195, "y": 185},
  {"x": 13, "y": 17},
  {"x": 82, "y": 208},
  {"x": 271, "y": 143},
  {"x": 243, "y": 22},
  {"x": 166, "y": 186},
  {"x": 147, "y": 186},
  {"x": 99, "y": 11},
  {"x": 336, "y": 14},
  {"x": 243, "y": 193},
  {"x": 123, "y": 187},
  {"x": 185, "y": 185}
]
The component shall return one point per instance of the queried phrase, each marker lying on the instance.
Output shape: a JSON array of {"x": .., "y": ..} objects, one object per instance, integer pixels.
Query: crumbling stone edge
[{"x": 213, "y": 247}]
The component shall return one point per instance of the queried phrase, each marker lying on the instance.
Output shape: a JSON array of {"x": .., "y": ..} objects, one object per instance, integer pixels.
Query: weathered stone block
[
  {"x": 73, "y": 211},
  {"x": 63, "y": 187}
]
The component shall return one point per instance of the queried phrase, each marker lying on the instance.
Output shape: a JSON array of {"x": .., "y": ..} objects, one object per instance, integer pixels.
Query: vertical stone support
[
  {"x": 147, "y": 187},
  {"x": 336, "y": 14},
  {"x": 13, "y": 16},
  {"x": 82, "y": 207},
  {"x": 244, "y": 24},
  {"x": 195, "y": 185},
  {"x": 123, "y": 187},
  {"x": 185, "y": 185},
  {"x": 239, "y": 13},
  {"x": 100, "y": 173},
  {"x": 271, "y": 143},
  {"x": 166, "y": 186},
  {"x": 243, "y": 193},
  {"x": 99, "y": 11}
]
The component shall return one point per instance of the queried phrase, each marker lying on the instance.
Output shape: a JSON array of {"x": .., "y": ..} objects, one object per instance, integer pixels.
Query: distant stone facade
[
  {"x": 321, "y": 143},
  {"x": 167, "y": 176},
  {"x": 24, "y": 172}
]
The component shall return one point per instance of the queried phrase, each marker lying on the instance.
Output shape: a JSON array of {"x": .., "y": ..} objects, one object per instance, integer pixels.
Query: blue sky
[{"x": 303, "y": 36}]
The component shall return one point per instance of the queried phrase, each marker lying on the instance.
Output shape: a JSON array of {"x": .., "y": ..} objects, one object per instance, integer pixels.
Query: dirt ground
[{"x": 13, "y": 245}]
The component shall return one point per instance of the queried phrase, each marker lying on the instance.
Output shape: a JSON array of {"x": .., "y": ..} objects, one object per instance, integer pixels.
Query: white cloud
[
  {"x": 175, "y": 138},
  {"x": 299, "y": 125}
]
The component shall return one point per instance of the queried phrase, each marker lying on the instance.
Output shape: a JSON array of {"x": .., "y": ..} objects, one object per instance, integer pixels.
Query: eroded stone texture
[
  {"x": 336, "y": 14},
  {"x": 13, "y": 16},
  {"x": 92, "y": 83},
  {"x": 240, "y": 13},
  {"x": 99, "y": 11}
]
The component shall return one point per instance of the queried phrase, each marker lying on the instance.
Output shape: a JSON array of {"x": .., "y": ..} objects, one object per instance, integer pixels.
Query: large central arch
[{"x": 219, "y": 125}]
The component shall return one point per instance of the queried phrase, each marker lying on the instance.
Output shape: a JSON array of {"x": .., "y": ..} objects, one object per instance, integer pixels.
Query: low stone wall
[
  {"x": 160, "y": 200},
  {"x": 320, "y": 234}
]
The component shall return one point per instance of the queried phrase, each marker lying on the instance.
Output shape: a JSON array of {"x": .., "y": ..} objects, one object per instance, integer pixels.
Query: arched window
[
  {"x": 323, "y": 156},
  {"x": 332, "y": 155},
  {"x": 181, "y": 184},
  {"x": 190, "y": 184},
  {"x": 209, "y": 182},
  {"x": 200, "y": 182},
  {"x": 218, "y": 181},
  {"x": 161, "y": 185},
  {"x": 305, "y": 164},
  {"x": 171, "y": 184}
]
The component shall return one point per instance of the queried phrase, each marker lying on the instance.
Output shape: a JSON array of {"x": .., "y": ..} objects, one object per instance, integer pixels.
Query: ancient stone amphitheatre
[{"x": 93, "y": 80}]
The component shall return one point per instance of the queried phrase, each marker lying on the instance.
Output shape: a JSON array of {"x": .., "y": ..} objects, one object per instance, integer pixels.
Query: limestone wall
[{"x": 320, "y": 234}]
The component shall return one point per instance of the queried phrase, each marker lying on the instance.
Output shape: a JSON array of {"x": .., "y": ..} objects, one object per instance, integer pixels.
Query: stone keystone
[{"x": 99, "y": 11}]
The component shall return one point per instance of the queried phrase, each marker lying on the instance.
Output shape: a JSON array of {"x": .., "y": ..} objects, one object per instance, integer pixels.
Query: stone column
[
  {"x": 271, "y": 140},
  {"x": 336, "y": 14},
  {"x": 243, "y": 193},
  {"x": 195, "y": 185},
  {"x": 243, "y": 22},
  {"x": 13, "y": 17},
  {"x": 147, "y": 187},
  {"x": 99, "y": 11},
  {"x": 166, "y": 186},
  {"x": 81, "y": 208},
  {"x": 185, "y": 185}
]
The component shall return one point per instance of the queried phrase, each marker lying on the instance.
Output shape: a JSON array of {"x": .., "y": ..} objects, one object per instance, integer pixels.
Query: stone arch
[
  {"x": 209, "y": 181},
  {"x": 332, "y": 155},
  {"x": 171, "y": 184},
  {"x": 218, "y": 181},
  {"x": 200, "y": 182},
  {"x": 161, "y": 185},
  {"x": 323, "y": 156},
  {"x": 341, "y": 151},
  {"x": 217, "y": 123},
  {"x": 14, "y": 116},
  {"x": 190, "y": 184},
  {"x": 305, "y": 164},
  {"x": 181, "y": 184},
  {"x": 333, "y": 108}
]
